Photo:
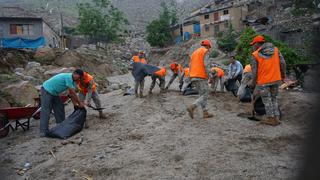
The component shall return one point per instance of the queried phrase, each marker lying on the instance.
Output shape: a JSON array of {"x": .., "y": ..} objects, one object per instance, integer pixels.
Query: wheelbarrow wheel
[{"x": 4, "y": 129}]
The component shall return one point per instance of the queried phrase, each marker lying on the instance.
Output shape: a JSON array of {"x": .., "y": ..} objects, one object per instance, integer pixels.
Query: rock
[
  {"x": 4, "y": 103},
  {"x": 115, "y": 86},
  {"x": 32, "y": 65},
  {"x": 124, "y": 86},
  {"x": 18, "y": 70},
  {"x": 58, "y": 71},
  {"x": 45, "y": 55},
  {"x": 22, "y": 92}
]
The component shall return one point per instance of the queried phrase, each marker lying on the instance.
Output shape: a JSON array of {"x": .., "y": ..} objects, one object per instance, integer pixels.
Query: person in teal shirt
[{"x": 50, "y": 100}]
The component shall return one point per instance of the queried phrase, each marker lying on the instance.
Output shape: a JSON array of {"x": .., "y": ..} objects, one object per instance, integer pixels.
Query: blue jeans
[{"x": 49, "y": 103}]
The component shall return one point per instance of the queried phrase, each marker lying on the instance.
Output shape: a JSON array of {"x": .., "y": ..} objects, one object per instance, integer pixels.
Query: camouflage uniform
[
  {"x": 268, "y": 92},
  {"x": 136, "y": 87},
  {"x": 184, "y": 82},
  {"x": 202, "y": 86},
  {"x": 161, "y": 85},
  {"x": 215, "y": 83}
]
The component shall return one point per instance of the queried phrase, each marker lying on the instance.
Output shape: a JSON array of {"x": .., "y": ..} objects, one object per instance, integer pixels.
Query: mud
[{"x": 153, "y": 138}]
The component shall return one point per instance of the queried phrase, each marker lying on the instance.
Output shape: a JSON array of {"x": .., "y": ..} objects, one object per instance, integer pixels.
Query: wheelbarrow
[{"x": 21, "y": 116}]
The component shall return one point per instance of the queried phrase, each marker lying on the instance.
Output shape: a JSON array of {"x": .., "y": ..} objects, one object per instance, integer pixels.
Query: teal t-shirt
[{"x": 59, "y": 83}]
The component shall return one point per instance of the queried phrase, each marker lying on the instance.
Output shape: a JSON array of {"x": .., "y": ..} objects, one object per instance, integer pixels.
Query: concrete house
[
  {"x": 217, "y": 17},
  {"x": 22, "y": 29}
]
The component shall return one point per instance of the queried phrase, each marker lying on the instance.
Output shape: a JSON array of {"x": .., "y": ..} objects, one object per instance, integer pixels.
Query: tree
[
  {"x": 227, "y": 41},
  {"x": 100, "y": 21},
  {"x": 158, "y": 30}
]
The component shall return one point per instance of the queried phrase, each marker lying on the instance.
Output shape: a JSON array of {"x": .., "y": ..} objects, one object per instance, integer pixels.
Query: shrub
[
  {"x": 244, "y": 50},
  {"x": 214, "y": 54},
  {"x": 227, "y": 42}
]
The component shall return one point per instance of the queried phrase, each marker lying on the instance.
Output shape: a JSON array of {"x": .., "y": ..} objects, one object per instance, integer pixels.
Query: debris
[
  {"x": 77, "y": 141},
  {"x": 53, "y": 154},
  {"x": 289, "y": 84},
  {"x": 81, "y": 175},
  {"x": 22, "y": 171}
]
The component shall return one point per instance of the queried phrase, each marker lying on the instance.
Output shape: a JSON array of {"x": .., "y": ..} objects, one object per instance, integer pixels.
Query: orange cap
[
  {"x": 257, "y": 39},
  {"x": 206, "y": 43},
  {"x": 173, "y": 65}
]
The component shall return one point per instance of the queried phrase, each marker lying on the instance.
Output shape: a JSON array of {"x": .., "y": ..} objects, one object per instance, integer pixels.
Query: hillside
[{"x": 138, "y": 12}]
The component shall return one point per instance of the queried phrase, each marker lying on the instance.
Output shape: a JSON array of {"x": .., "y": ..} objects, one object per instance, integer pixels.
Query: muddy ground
[{"x": 153, "y": 138}]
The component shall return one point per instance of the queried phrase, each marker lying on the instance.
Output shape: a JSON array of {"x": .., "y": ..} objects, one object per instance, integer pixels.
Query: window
[
  {"x": 216, "y": 16},
  {"x": 216, "y": 28},
  {"x": 21, "y": 29},
  {"x": 206, "y": 16},
  {"x": 225, "y": 12},
  {"x": 207, "y": 28}
]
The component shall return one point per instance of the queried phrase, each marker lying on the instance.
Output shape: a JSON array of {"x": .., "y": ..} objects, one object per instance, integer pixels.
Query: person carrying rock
[
  {"x": 217, "y": 75},
  {"x": 139, "y": 72},
  {"x": 87, "y": 91},
  {"x": 268, "y": 71},
  {"x": 161, "y": 75},
  {"x": 177, "y": 71},
  {"x": 235, "y": 70},
  {"x": 199, "y": 74},
  {"x": 50, "y": 100}
]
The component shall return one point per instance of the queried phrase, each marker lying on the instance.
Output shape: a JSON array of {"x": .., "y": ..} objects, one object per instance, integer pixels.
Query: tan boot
[
  {"x": 191, "y": 110},
  {"x": 101, "y": 115},
  {"x": 271, "y": 121},
  {"x": 206, "y": 114}
]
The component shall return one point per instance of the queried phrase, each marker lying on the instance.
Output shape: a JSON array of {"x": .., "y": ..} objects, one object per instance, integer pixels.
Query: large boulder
[
  {"x": 45, "y": 55},
  {"x": 22, "y": 92}
]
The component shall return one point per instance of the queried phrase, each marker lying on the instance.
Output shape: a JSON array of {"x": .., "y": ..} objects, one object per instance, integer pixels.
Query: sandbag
[
  {"x": 231, "y": 85},
  {"x": 246, "y": 96},
  {"x": 71, "y": 126}
]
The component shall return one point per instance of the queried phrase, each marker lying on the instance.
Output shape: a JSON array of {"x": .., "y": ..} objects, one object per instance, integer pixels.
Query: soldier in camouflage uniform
[
  {"x": 268, "y": 71},
  {"x": 199, "y": 74}
]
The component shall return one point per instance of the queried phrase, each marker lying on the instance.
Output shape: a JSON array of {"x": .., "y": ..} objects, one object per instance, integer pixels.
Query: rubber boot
[
  {"x": 206, "y": 114},
  {"x": 101, "y": 115},
  {"x": 271, "y": 121},
  {"x": 191, "y": 110}
]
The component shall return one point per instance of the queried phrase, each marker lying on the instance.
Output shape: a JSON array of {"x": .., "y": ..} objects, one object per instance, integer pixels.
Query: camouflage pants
[
  {"x": 173, "y": 77},
  {"x": 137, "y": 85},
  {"x": 161, "y": 85},
  {"x": 95, "y": 98},
  {"x": 269, "y": 95},
  {"x": 203, "y": 88}
]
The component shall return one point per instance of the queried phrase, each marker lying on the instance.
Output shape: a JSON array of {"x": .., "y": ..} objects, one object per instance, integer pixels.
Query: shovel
[{"x": 96, "y": 109}]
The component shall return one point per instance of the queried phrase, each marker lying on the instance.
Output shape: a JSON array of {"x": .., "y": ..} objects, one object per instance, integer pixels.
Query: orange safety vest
[
  {"x": 83, "y": 85},
  {"x": 247, "y": 69},
  {"x": 220, "y": 72},
  {"x": 197, "y": 66},
  {"x": 268, "y": 69},
  {"x": 186, "y": 72},
  {"x": 140, "y": 60},
  {"x": 161, "y": 73},
  {"x": 176, "y": 68}
]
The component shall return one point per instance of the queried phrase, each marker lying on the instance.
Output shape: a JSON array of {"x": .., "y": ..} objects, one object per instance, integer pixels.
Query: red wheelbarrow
[
  {"x": 18, "y": 114},
  {"x": 21, "y": 116}
]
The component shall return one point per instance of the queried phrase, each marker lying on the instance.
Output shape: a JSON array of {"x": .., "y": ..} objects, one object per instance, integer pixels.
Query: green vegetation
[
  {"x": 214, "y": 54},
  {"x": 100, "y": 21},
  {"x": 226, "y": 41},
  {"x": 244, "y": 50},
  {"x": 159, "y": 30}
]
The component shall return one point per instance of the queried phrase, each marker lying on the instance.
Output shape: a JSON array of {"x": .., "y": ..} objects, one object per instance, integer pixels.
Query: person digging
[{"x": 87, "y": 91}]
